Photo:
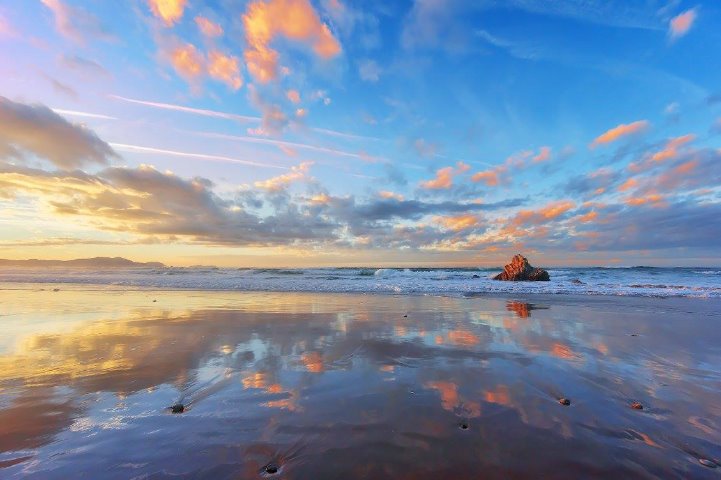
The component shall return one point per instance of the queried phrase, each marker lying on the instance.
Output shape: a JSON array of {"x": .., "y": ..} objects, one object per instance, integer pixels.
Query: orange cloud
[
  {"x": 627, "y": 185},
  {"x": 443, "y": 180},
  {"x": 458, "y": 223},
  {"x": 620, "y": 131},
  {"x": 169, "y": 11},
  {"x": 549, "y": 212},
  {"x": 187, "y": 61},
  {"x": 294, "y": 19},
  {"x": 293, "y": 96},
  {"x": 275, "y": 184},
  {"x": 682, "y": 23},
  {"x": 671, "y": 149},
  {"x": 388, "y": 195},
  {"x": 208, "y": 27},
  {"x": 225, "y": 68},
  {"x": 589, "y": 217},
  {"x": 637, "y": 201},
  {"x": 444, "y": 177},
  {"x": 490, "y": 177}
]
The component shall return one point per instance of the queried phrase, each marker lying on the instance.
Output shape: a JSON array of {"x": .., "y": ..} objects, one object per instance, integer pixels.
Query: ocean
[{"x": 454, "y": 282}]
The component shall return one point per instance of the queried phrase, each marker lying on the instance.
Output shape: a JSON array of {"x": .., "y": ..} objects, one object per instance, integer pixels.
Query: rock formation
[{"x": 520, "y": 270}]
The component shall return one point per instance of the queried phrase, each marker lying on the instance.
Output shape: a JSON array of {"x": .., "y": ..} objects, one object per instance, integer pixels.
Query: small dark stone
[
  {"x": 463, "y": 426},
  {"x": 271, "y": 468},
  {"x": 177, "y": 408},
  {"x": 564, "y": 401},
  {"x": 154, "y": 301},
  {"x": 405, "y": 316},
  {"x": 56, "y": 289},
  {"x": 637, "y": 406},
  {"x": 476, "y": 276},
  {"x": 707, "y": 463},
  {"x": 634, "y": 334}
]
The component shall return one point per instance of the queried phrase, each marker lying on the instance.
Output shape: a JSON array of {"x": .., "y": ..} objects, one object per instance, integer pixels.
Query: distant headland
[{"x": 96, "y": 262}]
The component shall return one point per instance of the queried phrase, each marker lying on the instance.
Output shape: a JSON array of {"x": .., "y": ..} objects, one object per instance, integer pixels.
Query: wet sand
[{"x": 316, "y": 386}]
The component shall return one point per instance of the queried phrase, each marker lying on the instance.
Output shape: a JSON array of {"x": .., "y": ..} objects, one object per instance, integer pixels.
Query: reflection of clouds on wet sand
[{"x": 330, "y": 385}]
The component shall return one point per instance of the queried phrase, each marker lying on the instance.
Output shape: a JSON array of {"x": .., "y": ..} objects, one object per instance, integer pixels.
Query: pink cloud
[
  {"x": 682, "y": 23},
  {"x": 543, "y": 154},
  {"x": 207, "y": 27}
]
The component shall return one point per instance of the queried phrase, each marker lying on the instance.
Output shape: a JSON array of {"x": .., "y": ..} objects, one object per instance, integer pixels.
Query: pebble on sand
[
  {"x": 564, "y": 401},
  {"x": 637, "y": 406},
  {"x": 177, "y": 408}
]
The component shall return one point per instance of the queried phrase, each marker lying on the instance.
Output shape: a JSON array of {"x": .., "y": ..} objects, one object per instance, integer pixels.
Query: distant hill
[{"x": 97, "y": 262}]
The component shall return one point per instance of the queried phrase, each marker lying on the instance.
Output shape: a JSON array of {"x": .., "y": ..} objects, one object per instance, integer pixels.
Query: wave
[{"x": 655, "y": 282}]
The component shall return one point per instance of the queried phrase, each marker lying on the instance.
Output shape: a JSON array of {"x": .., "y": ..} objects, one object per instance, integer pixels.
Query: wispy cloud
[
  {"x": 201, "y": 156},
  {"x": 75, "y": 113},
  {"x": 184, "y": 109},
  {"x": 293, "y": 145},
  {"x": 76, "y": 23}
]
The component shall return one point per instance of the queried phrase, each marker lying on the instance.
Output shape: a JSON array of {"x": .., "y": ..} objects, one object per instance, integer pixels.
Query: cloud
[
  {"x": 679, "y": 25},
  {"x": 83, "y": 65},
  {"x": 274, "y": 121},
  {"x": 169, "y": 11},
  {"x": 182, "y": 108},
  {"x": 6, "y": 28},
  {"x": 294, "y": 19},
  {"x": 620, "y": 131},
  {"x": 200, "y": 156},
  {"x": 593, "y": 183},
  {"x": 444, "y": 177},
  {"x": 146, "y": 202},
  {"x": 281, "y": 182},
  {"x": 543, "y": 155},
  {"x": 60, "y": 87},
  {"x": 672, "y": 149},
  {"x": 293, "y": 96},
  {"x": 225, "y": 69},
  {"x": 458, "y": 222},
  {"x": 37, "y": 130},
  {"x": 544, "y": 214},
  {"x": 369, "y": 70},
  {"x": 425, "y": 148},
  {"x": 76, "y": 23},
  {"x": 187, "y": 61},
  {"x": 499, "y": 174},
  {"x": 207, "y": 27}
]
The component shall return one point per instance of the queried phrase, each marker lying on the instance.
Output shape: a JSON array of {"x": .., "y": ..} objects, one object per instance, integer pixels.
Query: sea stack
[{"x": 519, "y": 270}]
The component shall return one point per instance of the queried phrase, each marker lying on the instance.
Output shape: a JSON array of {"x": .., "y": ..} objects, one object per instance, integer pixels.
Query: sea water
[{"x": 626, "y": 281}]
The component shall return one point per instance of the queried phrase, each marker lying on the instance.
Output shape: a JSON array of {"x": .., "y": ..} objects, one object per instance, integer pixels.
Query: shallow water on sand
[{"x": 316, "y": 386}]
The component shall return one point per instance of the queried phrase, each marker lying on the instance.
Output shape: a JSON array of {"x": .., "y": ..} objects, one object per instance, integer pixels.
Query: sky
[{"x": 336, "y": 132}]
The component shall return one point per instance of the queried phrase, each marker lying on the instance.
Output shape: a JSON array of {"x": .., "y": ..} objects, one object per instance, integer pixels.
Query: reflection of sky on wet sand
[{"x": 346, "y": 386}]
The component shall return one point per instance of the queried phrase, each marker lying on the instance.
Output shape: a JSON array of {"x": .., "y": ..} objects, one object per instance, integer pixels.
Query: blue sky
[{"x": 291, "y": 132}]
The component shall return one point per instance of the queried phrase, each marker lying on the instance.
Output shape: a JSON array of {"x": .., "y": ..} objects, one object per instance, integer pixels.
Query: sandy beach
[{"x": 302, "y": 386}]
